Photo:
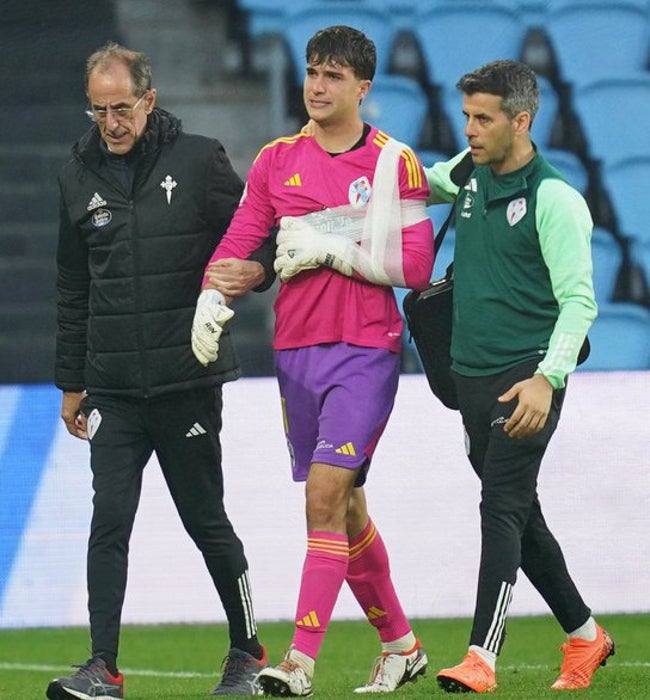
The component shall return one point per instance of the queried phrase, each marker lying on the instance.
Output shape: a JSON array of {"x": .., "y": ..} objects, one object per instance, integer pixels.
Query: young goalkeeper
[{"x": 350, "y": 205}]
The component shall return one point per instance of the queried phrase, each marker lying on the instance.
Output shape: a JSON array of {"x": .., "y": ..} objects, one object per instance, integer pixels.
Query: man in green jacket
[{"x": 523, "y": 303}]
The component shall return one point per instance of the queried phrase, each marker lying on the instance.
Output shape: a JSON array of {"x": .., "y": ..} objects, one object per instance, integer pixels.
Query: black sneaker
[
  {"x": 239, "y": 676},
  {"x": 92, "y": 681}
]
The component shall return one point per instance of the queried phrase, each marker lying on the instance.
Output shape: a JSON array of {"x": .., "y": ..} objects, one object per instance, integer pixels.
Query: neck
[
  {"x": 338, "y": 138},
  {"x": 519, "y": 157}
]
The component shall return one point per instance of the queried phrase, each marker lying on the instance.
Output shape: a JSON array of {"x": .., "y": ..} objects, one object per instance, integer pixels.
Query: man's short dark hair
[
  {"x": 513, "y": 81},
  {"x": 343, "y": 46}
]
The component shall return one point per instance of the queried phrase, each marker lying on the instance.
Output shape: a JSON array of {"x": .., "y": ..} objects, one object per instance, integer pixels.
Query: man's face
[
  {"x": 111, "y": 89},
  {"x": 332, "y": 93},
  {"x": 490, "y": 132}
]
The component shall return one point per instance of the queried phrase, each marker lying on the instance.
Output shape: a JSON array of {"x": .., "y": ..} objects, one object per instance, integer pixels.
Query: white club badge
[
  {"x": 516, "y": 211},
  {"x": 93, "y": 423},
  {"x": 168, "y": 185},
  {"x": 359, "y": 192}
]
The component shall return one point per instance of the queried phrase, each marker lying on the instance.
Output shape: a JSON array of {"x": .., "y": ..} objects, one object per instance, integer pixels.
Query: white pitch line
[
  {"x": 7, "y": 666},
  {"x": 546, "y": 667}
]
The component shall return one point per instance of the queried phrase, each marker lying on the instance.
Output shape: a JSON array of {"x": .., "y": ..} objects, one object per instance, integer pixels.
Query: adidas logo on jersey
[
  {"x": 294, "y": 181},
  {"x": 195, "y": 430},
  {"x": 96, "y": 202}
]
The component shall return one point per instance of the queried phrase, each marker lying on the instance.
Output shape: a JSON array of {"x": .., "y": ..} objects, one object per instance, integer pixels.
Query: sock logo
[
  {"x": 310, "y": 620},
  {"x": 373, "y": 613}
]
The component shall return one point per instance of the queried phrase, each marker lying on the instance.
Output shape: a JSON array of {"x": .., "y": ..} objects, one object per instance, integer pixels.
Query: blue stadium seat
[
  {"x": 640, "y": 252},
  {"x": 429, "y": 157},
  {"x": 620, "y": 338},
  {"x": 450, "y": 101},
  {"x": 305, "y": 20},
  {"x": 627, "y": 183},
  {"x": 533, "y": 11},
  {"x": 401, "y": 12},
  {"x": 397, "y": 105},
  {"x": 570, "y": 166},
  {"x": 266, "y": 16},
  {"x": 543, "y": 127},
  {"x": 612, "y": 113},
  {"x": 593, "y": 39},
  {"x": 607, "y": 256},
  {"x": 458, "y": 37}
]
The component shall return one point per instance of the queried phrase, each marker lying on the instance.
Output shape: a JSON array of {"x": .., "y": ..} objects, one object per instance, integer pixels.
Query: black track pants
[
  {"x": 514, "y": 533},
  {"x": 183, "y": 430}
]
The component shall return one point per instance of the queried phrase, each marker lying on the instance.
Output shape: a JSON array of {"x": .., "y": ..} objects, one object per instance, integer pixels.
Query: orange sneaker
[
  {"x": 472, "y": 675},
  {"x": 582, "y": 659}
]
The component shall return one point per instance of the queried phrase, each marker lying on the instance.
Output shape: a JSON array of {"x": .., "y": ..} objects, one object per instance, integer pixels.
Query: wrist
[{"x": 553, "y": 381}]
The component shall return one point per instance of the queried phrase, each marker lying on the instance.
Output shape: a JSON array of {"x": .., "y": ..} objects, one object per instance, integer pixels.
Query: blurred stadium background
[{"x": 230, "y": 69}]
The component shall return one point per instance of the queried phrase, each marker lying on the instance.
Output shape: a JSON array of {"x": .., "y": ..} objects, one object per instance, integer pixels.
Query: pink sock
[
  {"x": 323, "y": 574},
  {"x": 369, "y": 579}
]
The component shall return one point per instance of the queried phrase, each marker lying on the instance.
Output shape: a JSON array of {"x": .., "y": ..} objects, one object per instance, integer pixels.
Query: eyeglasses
[{"x": 99, "y": 114}]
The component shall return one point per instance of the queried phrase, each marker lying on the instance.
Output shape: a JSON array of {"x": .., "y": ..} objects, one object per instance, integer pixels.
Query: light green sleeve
[
  {"x": 443, "y": 190},
  {"x": 564, "y": 225}
]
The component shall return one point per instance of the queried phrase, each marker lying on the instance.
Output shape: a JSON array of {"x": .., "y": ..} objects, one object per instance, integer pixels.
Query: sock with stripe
[
  {"x": 369, "y": 579},
  {"x": 323, "y": 573}
]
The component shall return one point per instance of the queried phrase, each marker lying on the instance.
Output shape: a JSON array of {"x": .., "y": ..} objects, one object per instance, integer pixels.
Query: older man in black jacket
[{"x": 143, "y": 206}]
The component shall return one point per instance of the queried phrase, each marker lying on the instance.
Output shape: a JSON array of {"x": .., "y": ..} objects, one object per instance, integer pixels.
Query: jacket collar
[{"x": 162, "y": 127}]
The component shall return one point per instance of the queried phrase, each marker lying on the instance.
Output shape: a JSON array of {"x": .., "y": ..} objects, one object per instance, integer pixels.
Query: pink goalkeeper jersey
[{"x": 294, "y": 176}]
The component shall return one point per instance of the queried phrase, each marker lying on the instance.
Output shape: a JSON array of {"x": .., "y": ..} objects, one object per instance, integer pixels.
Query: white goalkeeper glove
[
  {"x": 210, "y": 317},
  {"x": 301, "y": 247}
]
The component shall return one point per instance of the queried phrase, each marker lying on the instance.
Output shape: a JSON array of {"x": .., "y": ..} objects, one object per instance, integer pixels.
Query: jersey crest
[
  {"x": 359, "y": 192},
  {"x": 516, "y": 211}
]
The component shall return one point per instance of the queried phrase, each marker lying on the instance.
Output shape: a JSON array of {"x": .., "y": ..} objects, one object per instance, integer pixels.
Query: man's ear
[
  {"x": 150, "y": 100},
  {"x": 522, "y": 122}
]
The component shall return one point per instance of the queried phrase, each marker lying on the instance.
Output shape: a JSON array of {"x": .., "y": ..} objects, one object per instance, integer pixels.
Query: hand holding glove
[
  {"x": 210, "y": 317},
  {"x": 301, "y": 247}
]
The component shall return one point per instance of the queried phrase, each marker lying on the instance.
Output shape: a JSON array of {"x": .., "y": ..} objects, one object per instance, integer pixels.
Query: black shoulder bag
[{"x": 428, "y": 317}]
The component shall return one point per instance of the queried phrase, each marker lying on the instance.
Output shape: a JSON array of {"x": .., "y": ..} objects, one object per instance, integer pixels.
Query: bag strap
[
  {"x": 437, "y": 241},
  {"x": 459, "y": 175}
]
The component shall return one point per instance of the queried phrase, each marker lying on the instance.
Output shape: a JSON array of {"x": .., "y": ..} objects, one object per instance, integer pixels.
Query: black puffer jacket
[{"x": 130, "y": 264}]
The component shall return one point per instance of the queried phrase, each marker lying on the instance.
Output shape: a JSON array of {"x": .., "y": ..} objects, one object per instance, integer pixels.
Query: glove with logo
[
  {"x": 301, "y": 247},
  {"x": 210, "y": 317}
]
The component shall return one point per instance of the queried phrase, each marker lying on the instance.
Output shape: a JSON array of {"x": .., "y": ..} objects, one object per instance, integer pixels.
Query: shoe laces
[
  {"x": 234, "y": 665},
  {"x": 576, "y": 663},
  {"x": 289, "y": 665},
  {"x": 92, "y": 668},
  {"x": 381, "y": 670},
  {"x": 478, "y": 665},
  {"x": 377, "y": 677}
]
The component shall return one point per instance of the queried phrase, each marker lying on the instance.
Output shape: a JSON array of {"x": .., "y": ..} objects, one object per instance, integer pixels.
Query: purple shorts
[{"x": 336, "y": 401}]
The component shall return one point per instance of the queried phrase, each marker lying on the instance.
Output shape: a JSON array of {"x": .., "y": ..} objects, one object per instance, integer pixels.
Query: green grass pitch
[{"x": 182, "y": 662}]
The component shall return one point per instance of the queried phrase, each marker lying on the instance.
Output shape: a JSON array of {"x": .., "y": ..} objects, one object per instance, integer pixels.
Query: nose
[
  {"x": 111, "y": 120},
  {"x": 317, "y": 84},
  {"x": 470, "y": 127}
]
